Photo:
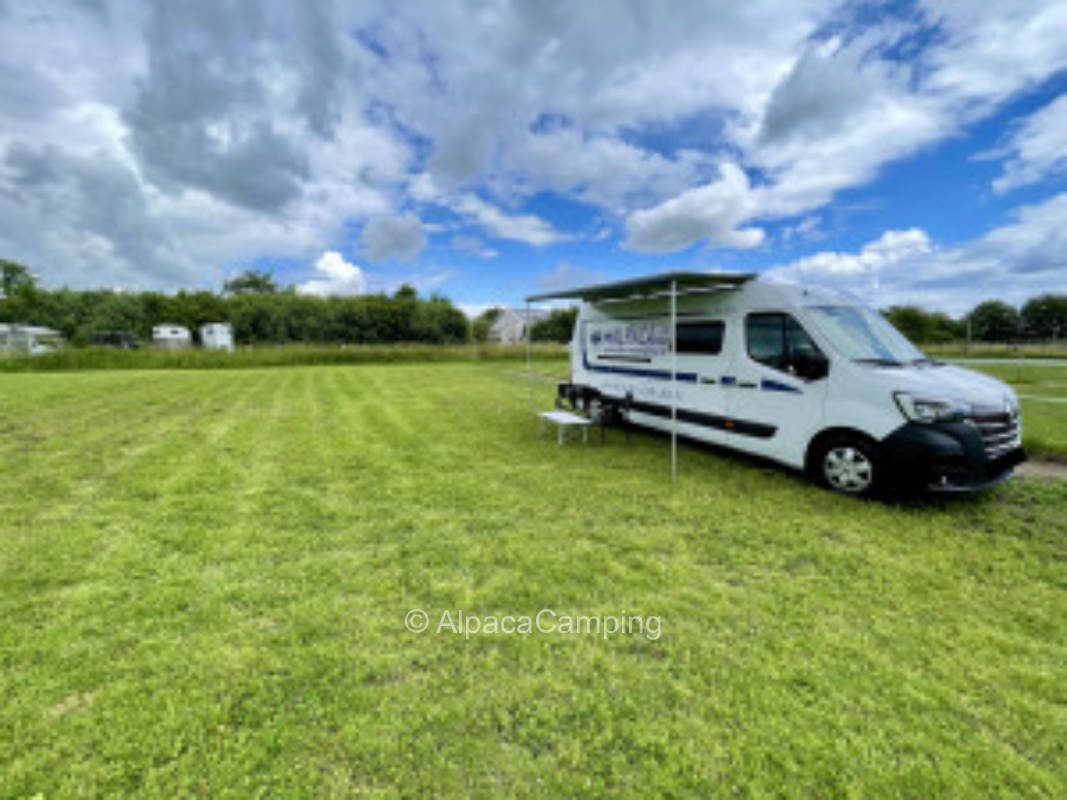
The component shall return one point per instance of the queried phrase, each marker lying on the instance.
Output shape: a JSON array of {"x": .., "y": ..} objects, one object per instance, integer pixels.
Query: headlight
[{"x": 930, "y": 409}]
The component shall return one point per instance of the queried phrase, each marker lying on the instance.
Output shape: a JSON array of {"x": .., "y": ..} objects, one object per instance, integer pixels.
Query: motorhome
[{"x": 803, "y": 375}]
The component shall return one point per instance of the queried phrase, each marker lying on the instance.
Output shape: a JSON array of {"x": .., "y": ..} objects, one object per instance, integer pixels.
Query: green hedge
[{"x": 89, "y": 358}]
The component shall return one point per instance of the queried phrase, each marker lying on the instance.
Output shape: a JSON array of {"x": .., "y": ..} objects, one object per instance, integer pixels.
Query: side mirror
[{"x": 811, "y": 365}]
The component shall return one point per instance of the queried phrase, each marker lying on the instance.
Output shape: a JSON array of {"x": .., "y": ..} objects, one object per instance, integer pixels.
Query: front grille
[{"x": 999, "y": 430}]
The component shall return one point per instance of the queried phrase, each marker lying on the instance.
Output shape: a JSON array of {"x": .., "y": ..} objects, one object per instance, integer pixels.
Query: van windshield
[{"x": 864, "y": 335}]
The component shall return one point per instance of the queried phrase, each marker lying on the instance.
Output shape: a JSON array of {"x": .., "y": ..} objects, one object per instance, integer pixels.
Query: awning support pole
[
  {"x": 674, "y": 373},
  {"x": 529, "y": 357}
]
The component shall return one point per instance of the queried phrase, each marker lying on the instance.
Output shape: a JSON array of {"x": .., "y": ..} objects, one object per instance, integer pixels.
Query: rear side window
[
  {"x": 704, "y": 338},
  {"x": 774, "y": 339}
]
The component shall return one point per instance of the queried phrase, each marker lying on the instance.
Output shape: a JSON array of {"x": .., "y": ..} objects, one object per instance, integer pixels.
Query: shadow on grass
[{"x": 913, "y": 499}]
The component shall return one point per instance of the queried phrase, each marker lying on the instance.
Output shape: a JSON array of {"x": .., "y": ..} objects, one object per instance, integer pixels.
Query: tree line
[
  {"x": 1040, "y": 318},
  {"x": 258, "y": 309},
  {"x": 556, "y": 327},
  {"x": 262, "y": 312}
]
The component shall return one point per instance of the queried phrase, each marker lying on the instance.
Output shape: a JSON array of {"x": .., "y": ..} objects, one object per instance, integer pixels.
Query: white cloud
[
  {"x": 712, "y": 213},
  {"x": 339, "y": 277},
  {"x": 527, "y": 228},
  {"x": 602, "y": 169},
  {"x": 835, "y": 119},
  {"x": 989, "y": 51},
  {"x": 1013, "y": 262},
  {"x": 269, "y": 129},
  {"x": 474, "y": 246},
  {"x": 566, "y": 276},
  {"x": 891, "y": 248},
  {"x": 1039, "y": 146},
  {"x": 807, "y": 229},
  {"x": 399, "y": 237},
  {"x": 840, "y": 110}
]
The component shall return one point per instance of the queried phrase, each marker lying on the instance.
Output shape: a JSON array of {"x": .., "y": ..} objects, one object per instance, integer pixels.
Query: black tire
[
  {"x": 594, "y": 409},
  {"x": 849, "y": 464}
]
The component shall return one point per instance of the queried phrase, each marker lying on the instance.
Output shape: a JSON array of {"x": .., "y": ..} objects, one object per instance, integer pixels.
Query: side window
[
  {"x": 778, "y": 341},
  {"x": 704, "y": 338},
  {"x": 797, "y": 340},
  {"x": 764, "y": 334}
]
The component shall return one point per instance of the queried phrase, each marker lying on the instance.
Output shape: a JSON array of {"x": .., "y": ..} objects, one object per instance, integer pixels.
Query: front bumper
[{"x": 946, "y": 457}]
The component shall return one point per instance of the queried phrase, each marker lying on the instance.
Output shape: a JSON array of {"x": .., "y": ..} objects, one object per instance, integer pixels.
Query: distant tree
[
  {"x": 556, "y": 327},
  {"x": 193, "y": 309},
  {"x": 261, "y": 314},
  {"x": 437, "y": 320},
  {"x": 251, "y": 282},
  {"x": 923, "y": 326},
  {"x": 1045, "y": 316},
  {"x": 945, "y": 328},
  {"x": 912, "y": 321},
  {"x": 483, "y": 322},
  {"x": 14, "y": 277},
  {"x": 994, "y": 321}
]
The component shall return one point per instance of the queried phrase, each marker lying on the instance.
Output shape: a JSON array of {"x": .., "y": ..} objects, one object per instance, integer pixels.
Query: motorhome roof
[{"x": 650, "y": 285}]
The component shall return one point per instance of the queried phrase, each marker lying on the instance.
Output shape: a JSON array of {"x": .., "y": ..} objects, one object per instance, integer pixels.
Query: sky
[{"x": 906, "y": 152}]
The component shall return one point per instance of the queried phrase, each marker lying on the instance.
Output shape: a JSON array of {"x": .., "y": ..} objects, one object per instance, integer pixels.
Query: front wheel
[{"x": 850, "y": 465}]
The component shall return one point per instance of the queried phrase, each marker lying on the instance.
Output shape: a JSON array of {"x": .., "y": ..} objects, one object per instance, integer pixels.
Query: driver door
[{"x": 772, "y": 408}]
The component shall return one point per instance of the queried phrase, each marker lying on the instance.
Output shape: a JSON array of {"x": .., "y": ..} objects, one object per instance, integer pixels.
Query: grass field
[
  {"x": 1048, "y": 349},
  {"x": 204, "y": 577}
]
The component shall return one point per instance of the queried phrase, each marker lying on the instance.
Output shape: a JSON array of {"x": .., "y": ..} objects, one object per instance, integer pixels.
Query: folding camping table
[{"x": 564, "y": 420}]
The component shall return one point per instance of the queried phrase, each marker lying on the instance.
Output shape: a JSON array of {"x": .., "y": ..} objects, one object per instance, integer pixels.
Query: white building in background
[
  {"x": 217, "y": 336},
  {"x": 171, "y": 337},
  {"x": 510, "y": 326},
  {"x": 32, "y": 339}
]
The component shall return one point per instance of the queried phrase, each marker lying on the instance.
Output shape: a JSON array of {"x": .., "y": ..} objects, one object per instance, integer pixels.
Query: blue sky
[{"x": 906, "y": 152}]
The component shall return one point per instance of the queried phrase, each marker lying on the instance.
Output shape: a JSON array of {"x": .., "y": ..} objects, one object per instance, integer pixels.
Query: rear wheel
[
  {"x": 850, "y": 465},
  {"x": 595, "y": 409}
]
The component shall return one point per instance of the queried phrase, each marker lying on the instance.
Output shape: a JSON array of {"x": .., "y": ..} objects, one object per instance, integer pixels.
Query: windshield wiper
[
  {"x": 927, "y": 360},
  {"x": 879, "y": 362}
]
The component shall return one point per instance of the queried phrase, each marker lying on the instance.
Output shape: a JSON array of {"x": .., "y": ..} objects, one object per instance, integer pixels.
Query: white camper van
[{"x": 802, "y": 375}]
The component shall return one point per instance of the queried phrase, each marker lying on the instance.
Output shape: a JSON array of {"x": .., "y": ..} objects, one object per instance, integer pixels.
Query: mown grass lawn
[{"x": 204, "y": 578}]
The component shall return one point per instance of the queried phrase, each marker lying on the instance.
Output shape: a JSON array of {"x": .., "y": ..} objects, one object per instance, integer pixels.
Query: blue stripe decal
[
  {"x": 660, "y": 374},
  {"x": 775, "y": 386},
  {"x": 728, "y": 380}
]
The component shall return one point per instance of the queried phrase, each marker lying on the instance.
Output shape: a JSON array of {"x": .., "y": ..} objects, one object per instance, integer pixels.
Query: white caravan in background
[
  {"x": 217, "y": 336},
  {"x": 802, "y": 375}
]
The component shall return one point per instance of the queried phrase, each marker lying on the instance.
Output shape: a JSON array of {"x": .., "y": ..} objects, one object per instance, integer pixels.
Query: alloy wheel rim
[{"x": 848, "y": 469}]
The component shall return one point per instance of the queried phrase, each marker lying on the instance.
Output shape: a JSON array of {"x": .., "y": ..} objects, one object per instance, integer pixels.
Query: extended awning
[{"x": 662, "y": 283}]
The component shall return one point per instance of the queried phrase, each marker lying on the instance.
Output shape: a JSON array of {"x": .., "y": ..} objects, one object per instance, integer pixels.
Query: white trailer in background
[
  {"x": 169, "y": 336},
  {"x": 798, "y": 374},
  {"x": 217, "y": 336},
  {"x": 513, "y": 325},
  {"x": 28, "y": 339}
]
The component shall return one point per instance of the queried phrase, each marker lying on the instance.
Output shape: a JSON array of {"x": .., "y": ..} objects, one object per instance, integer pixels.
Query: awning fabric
[{"x": 649, "y": 285}]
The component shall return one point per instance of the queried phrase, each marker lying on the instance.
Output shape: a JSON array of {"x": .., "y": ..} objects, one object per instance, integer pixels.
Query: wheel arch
[{"x": 829, "y": 433}]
